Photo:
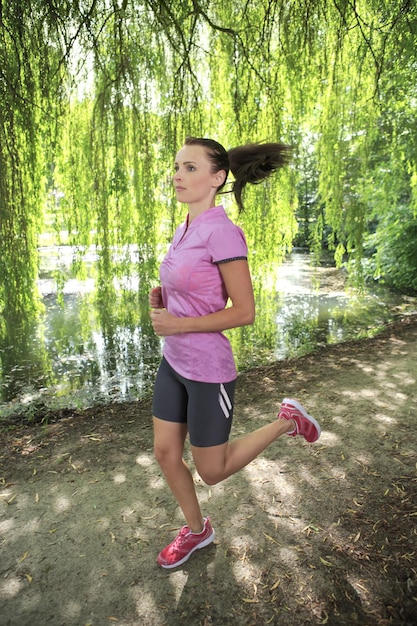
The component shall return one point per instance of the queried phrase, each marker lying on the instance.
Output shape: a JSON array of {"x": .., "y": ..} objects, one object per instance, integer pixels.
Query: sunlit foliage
[{"x": 97, "y": 95}]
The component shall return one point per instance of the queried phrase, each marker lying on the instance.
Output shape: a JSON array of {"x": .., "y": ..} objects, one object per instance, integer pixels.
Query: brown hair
[{"x": 250, "y": 163}]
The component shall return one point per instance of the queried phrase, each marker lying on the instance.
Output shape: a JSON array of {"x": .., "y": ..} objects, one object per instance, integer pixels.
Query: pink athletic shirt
[{"x": 192, "y": 286}]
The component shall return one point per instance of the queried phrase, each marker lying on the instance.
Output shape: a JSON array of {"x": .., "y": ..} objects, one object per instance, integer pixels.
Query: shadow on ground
[{"x": 307, "y": 534}]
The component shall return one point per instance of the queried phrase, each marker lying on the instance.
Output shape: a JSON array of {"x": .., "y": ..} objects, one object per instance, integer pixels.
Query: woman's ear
[{"x": 220, "y": 178}]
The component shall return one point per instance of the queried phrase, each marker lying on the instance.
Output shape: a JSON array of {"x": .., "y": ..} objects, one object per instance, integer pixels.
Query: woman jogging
[{"x": 205, "y": 267}]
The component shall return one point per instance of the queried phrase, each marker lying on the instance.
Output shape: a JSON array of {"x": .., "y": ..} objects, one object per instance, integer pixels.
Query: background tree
[{"x": 96, "y": 96}]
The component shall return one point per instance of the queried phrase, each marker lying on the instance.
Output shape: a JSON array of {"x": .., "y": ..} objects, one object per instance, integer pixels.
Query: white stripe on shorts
[{"x": 224, "y": 401}]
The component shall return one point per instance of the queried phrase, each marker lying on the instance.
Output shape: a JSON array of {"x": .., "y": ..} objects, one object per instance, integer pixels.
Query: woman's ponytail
[{"x": 254, "y": 162}]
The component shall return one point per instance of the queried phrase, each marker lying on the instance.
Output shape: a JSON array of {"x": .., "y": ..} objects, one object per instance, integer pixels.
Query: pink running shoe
[
  {"x": 186, "y": 542},
  {"x": 305, "y": 424}
]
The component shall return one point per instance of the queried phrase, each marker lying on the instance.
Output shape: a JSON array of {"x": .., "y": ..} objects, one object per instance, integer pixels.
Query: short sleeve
[{"x": 227, "y": 243}]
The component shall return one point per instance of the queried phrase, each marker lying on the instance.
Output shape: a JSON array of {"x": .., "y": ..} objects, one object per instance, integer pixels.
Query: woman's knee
[
  {"x": 166, "y": 456},
  {"x": 210, "y": 476},
  {"x": 210, "y": 464},
  {"x": 159, "y": 453},
  {"x": 169, "y": 440}
]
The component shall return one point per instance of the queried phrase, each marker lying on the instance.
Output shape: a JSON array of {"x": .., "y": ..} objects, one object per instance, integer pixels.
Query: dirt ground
[{"x": 307, "y": 534}]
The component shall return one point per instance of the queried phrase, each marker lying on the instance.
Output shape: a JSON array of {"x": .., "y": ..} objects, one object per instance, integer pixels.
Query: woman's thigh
[
  {"x": 169, "y": 438},
  {"x": 210, "y": 413},
  {"x": 170, "y": 398},
  {"x": 210, "y": 462}
]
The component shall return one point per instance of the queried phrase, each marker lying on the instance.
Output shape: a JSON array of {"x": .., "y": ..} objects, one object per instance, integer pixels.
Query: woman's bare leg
[
  {"x": 169, "y": 438},
  {"x": 215, "y": 463}
]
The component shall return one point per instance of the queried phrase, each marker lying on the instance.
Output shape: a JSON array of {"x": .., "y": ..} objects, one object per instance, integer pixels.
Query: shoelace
[{"x": 180, "y": 538}]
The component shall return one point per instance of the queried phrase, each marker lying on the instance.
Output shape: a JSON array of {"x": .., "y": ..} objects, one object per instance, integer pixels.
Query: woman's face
[{"x": 195, "y": 183}]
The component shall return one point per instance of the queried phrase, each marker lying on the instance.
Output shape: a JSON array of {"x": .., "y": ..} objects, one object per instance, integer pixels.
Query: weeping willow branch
[{"x": 305, "y": 69}]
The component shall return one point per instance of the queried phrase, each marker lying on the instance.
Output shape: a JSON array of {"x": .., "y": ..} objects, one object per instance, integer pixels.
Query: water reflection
[
  {"x": 315, "y": 320},
  {"x": 98, "y": 346},
  {"x": 308, "y": 307}
]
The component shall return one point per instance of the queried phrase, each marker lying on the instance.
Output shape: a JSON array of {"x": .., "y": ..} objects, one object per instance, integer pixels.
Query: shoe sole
[
  {"x": 203, "y": 544},
  {"x": 302, "y": 410}
]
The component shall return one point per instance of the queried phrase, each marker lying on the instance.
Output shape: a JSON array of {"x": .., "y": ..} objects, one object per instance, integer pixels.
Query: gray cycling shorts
[{"x": 206, "y": 408}]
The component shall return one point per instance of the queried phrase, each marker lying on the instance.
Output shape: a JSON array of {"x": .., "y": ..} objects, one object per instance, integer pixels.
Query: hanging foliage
[{"x": 96, "y": 97}]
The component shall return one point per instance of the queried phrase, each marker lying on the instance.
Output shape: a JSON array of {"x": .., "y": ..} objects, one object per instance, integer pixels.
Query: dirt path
[{"x": 321, "y": 534}]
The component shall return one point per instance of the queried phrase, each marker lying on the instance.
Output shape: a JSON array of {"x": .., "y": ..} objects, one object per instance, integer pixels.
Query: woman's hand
[
  {"x": 155, "y": 298},
  {"x": 164, "y": 323}
]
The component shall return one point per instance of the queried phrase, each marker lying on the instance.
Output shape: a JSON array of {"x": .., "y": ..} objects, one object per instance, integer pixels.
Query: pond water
[{"x": 85, "y": 350}]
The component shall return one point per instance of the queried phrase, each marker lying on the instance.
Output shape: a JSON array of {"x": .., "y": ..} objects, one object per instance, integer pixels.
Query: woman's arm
[{"x": 238, "y": 283}]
